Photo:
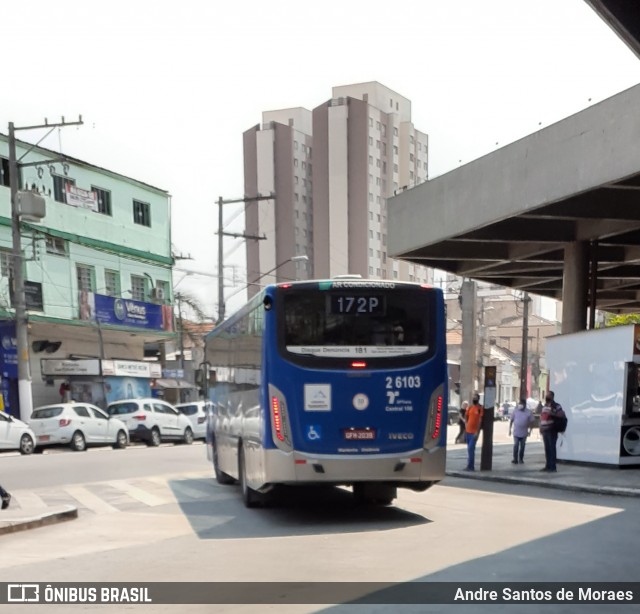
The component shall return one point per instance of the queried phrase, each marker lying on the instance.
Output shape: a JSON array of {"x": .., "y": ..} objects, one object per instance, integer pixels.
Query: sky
[{"x": 166, "y": 89}]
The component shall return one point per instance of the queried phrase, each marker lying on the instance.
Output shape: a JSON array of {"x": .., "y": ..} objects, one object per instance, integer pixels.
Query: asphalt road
[{"x": 157, "y": 515}]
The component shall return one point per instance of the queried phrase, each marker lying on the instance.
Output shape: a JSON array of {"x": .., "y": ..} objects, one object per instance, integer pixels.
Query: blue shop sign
[
  {"x": 125, "y": 312},
  {"x": 8, "y": 350}
]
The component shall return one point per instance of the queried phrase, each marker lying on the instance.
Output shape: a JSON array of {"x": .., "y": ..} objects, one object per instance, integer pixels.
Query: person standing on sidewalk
[
  {"x": 551, "y": 413},
  {"x": 521, "y": 422},
  {"x": 473, "y": 422}
]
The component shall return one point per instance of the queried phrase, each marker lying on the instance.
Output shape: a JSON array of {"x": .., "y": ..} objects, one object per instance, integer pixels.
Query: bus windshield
[{"x": 348, "y": 323}]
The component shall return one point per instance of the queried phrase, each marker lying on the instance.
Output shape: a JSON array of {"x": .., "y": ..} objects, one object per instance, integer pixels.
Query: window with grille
[
  {"x": 112, "y": 283},
  {"x": 59, "y": 183},
  {"x": 55, "y": 245},
  {"x": 141, "y": 213},
  {"x": 138, "y": 287},
  {"x": 6, "y": 263},
  {"x": 85, "y": 276},
  {"x": 163, "y": 286},
  {"x": 104, "y": 200},
  {"x": 4, "y": 172}
]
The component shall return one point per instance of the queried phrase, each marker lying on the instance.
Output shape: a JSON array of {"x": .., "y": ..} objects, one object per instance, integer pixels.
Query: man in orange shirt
[{"x": 473, "y": 420}]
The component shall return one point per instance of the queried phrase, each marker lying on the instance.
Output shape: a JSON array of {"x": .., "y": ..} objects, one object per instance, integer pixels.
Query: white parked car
[
  {"x": 152, "y": 420},
  {"x": 78, "y": 425},
  {"x": 16, "y": 435},
  {"x": 197, "y": 413}
]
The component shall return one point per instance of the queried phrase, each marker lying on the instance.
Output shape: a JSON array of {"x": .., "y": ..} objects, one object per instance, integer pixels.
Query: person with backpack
[{"x": 552, "y": 421}]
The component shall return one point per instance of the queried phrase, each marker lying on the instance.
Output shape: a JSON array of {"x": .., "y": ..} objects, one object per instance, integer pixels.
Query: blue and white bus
[{"x": 341, "y": 382}]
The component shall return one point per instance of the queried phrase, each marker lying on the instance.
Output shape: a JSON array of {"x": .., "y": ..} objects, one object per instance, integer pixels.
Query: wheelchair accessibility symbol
[{"x": 313, "y": 433}]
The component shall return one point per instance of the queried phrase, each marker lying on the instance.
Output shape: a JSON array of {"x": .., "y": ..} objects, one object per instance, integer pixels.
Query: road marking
[
  {"x": 86, "y": 498},
  {"x": 138, "y": 493}
]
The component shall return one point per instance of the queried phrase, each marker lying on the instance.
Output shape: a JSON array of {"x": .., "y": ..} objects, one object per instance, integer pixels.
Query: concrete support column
[
  {"x": 468, "y": 354},
  {"x": 575, "y": 283}
]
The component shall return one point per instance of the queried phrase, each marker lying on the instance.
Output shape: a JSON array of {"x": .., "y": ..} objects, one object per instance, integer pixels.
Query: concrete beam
[{"x": 570, "y": 157}]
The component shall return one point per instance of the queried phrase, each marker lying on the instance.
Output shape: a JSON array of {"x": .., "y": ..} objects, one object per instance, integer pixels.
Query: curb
[
  {"x": 14, "y": 526},
  {"x": 598, "y": 490}
]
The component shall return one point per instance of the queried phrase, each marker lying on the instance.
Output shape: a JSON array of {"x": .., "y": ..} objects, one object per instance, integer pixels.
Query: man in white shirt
[{"x": 521, "y": 422}]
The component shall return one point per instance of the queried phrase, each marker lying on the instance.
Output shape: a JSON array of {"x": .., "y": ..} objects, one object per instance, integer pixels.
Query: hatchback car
[
  {"x": 78, "y": 425},
  {"x": 152, "y": 421},
  {"x": 197, "y": 414},
  {"x": 16, "y": 435}
]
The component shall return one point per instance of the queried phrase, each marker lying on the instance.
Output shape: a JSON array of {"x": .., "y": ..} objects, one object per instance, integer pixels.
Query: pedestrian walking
[
  {"x": 552, "y": 422},
  {"x": 473, "y": 423},
  {"x": 5, "y": 497},
  {"x": 461, "y": 424},
  {"x": 521, "y": 424}
]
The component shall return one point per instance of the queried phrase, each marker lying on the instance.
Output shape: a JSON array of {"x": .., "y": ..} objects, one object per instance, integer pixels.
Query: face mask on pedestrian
[
  {"x": 475, "y": 400},
  {"x": 548, "y": 399}
]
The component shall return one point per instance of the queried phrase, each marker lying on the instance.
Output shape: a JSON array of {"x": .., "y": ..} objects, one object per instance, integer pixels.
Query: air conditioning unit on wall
[{"x": 158, "y": 294}]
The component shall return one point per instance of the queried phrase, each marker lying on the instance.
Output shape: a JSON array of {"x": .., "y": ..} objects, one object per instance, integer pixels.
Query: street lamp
[{"x": 301, "y": 258}]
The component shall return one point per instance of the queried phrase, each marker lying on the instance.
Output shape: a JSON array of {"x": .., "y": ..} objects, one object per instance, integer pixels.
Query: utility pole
[
  {"x": 181, "y": 341},
  {"x": 22, "y": 334},
  {"x": 525, "y": 347},
  {"x": 221, "y": 234}
]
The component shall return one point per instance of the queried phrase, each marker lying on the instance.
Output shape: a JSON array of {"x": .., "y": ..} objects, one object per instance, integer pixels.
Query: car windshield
[
  {"x": 117, "y": 409},
  {"x": 46, "y": 412}
]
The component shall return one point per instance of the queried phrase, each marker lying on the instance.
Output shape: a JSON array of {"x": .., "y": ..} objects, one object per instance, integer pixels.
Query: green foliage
[{"x": 622, "y": 319}]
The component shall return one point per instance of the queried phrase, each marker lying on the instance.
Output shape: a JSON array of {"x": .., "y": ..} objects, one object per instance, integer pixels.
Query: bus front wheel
[{"x": 250, "y": 497}]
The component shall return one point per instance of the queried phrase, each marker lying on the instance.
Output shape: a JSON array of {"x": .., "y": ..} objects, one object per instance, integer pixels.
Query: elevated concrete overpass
[
  {"x": 539, "y": 213},
  {"x": 556, "y": 213}
]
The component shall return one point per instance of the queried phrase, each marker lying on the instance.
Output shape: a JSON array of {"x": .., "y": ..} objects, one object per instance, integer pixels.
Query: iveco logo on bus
[{"x": 401, "y": 435}]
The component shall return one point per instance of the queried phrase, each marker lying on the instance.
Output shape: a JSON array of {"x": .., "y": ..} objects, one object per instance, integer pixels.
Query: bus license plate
[{"x": 359, "y": 434}]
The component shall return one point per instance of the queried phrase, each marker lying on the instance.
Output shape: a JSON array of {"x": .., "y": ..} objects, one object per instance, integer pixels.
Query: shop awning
[{"x": 173, "y": 383}]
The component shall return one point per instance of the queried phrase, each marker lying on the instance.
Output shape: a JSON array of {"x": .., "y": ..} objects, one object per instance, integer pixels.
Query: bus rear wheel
[
  {"x": 374, "y": 494},
  {"x": 250, "y": 497}
]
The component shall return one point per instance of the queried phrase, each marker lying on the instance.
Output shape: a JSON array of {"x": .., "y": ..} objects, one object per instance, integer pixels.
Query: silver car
[
  {"x": 16, "y": 435},
  {"x": 197, "y": 413},
  {"x": 77, "y": 425}
]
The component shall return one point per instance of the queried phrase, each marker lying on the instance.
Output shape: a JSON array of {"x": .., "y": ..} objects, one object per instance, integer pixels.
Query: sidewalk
[
  {"x": 570, "y": 476},
  {"x": 17, "y": 518}
]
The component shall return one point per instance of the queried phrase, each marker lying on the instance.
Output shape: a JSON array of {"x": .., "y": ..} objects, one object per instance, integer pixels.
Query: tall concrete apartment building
[{"x": 332, "y": 170}]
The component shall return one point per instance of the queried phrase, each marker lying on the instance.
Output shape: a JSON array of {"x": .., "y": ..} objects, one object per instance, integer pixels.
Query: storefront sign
[
  {"x": 125, "y": 312},
  {"x": 131, "y": 368},
  {"x": 8, "y": 350},
  {"x": 54, "y": 366},
  {"x": 173, "y": 373}
]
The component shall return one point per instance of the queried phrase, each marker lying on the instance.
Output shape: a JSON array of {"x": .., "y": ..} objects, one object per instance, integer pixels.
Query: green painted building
[{"x": 97, "y": 268}]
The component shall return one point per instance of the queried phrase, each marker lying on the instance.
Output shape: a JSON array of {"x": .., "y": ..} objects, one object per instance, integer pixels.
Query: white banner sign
[{"x": 77, "y": 197}]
